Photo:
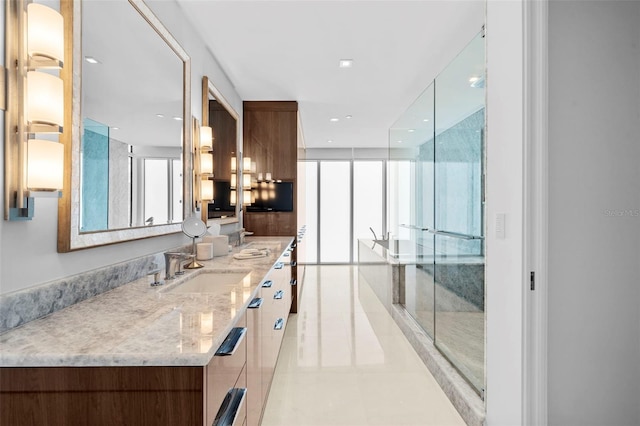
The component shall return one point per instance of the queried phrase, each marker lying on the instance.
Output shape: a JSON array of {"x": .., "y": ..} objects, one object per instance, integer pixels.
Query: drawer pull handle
[
  {"x": 293, "y": 281},
  {"x": 286, "y": 254},
  {"x": 255, "y": 303},
  {"x": 278, "y": 265},
  {"x": 267, "y": 283},
  {"x": 230, "y": 407},
  {"x": 294, "y": 263},
  {"x": 279, "y": 324},
  {"x": 278, "y": 294},
  {"x": 232, "y": 341}
]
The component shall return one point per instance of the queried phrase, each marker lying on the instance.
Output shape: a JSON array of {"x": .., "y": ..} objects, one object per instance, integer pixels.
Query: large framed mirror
[
  {"x": 129, "y": 145},
  {"x": 218, "y": 114}
]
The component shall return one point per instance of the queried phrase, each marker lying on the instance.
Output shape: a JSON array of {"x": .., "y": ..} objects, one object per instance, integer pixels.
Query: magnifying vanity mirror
[
  {"x": 128, "y": 101},
  {"x": 194, "y": 228},
  {"x": 218, "y": 114}
]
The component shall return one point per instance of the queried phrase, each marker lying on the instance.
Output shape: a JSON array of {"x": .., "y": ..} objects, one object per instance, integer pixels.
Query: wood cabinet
[
  {"x": 271, "y": 319},
  {"x": 112, "y": 396},
  {"x": 270, "y": 132},
  {"x": 226, "y": 372},
  {"x": 100, "y": 396}
]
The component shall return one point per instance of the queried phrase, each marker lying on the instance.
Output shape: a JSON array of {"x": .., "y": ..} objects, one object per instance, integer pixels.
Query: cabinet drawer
[
  {"x": 233, "y": 409},
  {"x": 223, "y": 373}
]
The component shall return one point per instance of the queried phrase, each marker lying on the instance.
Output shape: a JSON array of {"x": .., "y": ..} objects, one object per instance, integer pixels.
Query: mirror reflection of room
[
  {"x": 131, "y": 148},
  {"x": 224, "y": 128}
]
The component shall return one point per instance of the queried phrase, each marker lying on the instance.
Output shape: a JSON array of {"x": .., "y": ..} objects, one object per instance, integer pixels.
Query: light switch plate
[{"x": 500, "y": 226}]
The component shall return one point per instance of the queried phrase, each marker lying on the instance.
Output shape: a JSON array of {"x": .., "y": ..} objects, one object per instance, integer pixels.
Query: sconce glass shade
[
  {"x": 234, "y": 163},
  {"x": 246, "y": 197},
  {"x": 206, "y": 138},
  {"x": 206, "y": 163},
  {"x": 246, "y": 180},
  {"x": 246, "y": 164},
  {"x": 233, "y": 199},
  {"x": 234, "y": 181},
  {"x": 45, "y": 165},
  {"x": 45, "y": 32},
  {"x": 268, "y": 176},
  {"x": 45, "y": 101},
  {"x": 206, "y": 190}
]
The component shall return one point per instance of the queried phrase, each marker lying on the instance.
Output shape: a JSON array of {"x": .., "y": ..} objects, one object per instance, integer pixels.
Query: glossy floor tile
[{"x": 344, "y": 361}]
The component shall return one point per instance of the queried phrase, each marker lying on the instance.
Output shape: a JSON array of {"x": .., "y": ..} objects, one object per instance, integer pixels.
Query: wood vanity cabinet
[
  {"x": 162, "y": 395},
  {"x": 110, "y": 396},
  {"x": 226, "y": 372},
  {"x": 263, "y": 349}
]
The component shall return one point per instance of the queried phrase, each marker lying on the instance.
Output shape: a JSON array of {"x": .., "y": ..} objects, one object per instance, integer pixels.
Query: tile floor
[{"x": 344, "y": 361}]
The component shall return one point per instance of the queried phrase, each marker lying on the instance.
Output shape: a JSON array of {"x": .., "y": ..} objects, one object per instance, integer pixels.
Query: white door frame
[{"x": 536, "y": 220}]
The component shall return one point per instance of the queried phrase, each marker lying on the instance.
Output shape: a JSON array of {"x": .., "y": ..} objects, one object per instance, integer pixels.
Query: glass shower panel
[
  {"x": 411, "y": 145},
  {"x": 335, "y": 212},
  {"x": 459, "y": 212},
  {"x": 367, "y": 200}
]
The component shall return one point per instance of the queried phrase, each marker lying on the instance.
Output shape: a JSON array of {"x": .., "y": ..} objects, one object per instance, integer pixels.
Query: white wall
[
  {"x": 28, "y": 253},
  {"x": 504, "y": 258},
  {"x": 594, "y": 175}
]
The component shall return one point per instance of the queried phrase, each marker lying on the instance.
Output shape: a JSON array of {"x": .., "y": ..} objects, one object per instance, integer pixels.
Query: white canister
[
  {"x": 220, "y": 244},
  {"x": 204, "y": 251}
]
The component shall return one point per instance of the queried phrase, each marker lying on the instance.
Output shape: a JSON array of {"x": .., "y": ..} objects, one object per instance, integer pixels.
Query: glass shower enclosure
[{"x": 436, "y": 203}]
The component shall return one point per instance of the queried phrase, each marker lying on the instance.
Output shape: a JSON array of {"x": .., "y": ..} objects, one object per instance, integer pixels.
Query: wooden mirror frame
[{"x": 69, "y": 236}]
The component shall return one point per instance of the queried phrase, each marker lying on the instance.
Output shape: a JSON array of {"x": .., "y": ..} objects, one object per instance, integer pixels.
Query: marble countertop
[{"x": 140, "y": 325}]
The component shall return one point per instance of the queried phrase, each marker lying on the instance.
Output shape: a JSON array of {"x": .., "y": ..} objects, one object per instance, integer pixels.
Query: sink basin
[{"x": 210, "y": 282}]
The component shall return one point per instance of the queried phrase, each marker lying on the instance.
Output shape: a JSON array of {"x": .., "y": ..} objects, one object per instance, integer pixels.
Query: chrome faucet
[{"x": 172, "y": 265}]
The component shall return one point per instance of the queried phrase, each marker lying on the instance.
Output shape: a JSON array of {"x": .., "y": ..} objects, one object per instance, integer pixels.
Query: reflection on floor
[{"x": 345, "y": 362}]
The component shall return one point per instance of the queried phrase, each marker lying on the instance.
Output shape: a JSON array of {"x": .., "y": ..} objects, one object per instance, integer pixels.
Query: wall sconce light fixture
[
  {"x": 203, "y": 164},
  {"x": 246, "y": 180},
  {"x": 246, "y": 164},
  {"x": 34, "y": 166},
  {"x": 246, "y": 197}
]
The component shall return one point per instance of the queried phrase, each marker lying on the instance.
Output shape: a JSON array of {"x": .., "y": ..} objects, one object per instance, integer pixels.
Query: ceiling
[{"x": 290, "y": 50}]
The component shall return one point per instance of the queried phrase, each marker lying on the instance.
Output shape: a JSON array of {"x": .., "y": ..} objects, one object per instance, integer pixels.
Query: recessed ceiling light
[
  {"x": 348, "y": 117},
  {"x": 115, "y": 128},
  {"x": 160, "y": 115},
  {"x": 425, "y": 120},
  {"x": 399, "y": 141},
  {"x": 346, "y": 63},
  {"x": 91, "y": 60},
  {"x": 411, "y": 130},
  {"x": 334, "y": 119},
  {"x": 329, "y": 141},
  {"x": 177, "y": 118}
]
